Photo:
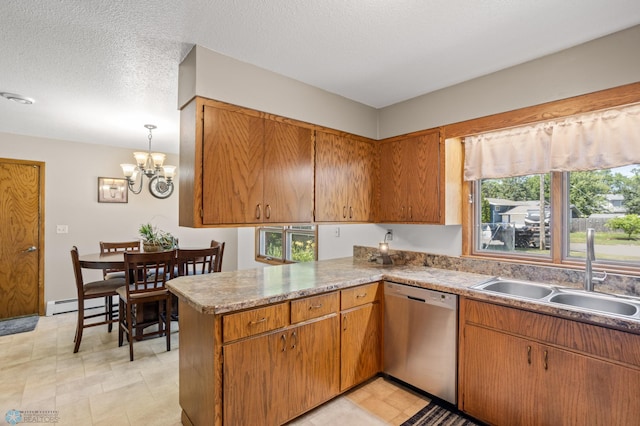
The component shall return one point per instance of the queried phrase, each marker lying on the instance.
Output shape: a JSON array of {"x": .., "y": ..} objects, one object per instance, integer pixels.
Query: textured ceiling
[{"x": 99, "y": 70}]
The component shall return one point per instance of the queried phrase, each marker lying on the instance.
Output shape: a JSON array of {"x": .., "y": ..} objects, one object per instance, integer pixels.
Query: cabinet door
[
  {"x": 288, "y": 173},
  {"x": 422, "y": 189},
  {"x": 499, "y": 377},
  {"x": 255, "y": 381},
  {"x": 409, "y": 173},
  {"x": 392, "y": 203},
  {"x": 579, "y": 390},
  {"x": 332, "y": 161},
  {"x": 232, "y": 177},
  {"x": 313, "y": 367},
  {"x": 361, "y": 191},
  {"x": 360, "y": 346}
]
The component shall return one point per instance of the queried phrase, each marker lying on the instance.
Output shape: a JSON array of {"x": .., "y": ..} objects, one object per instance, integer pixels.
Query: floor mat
[
  {"x": 434, "y": 414},
  {"x": 18, "y": 325}
]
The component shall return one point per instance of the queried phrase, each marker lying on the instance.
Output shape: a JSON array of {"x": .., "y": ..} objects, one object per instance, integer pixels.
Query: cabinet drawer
[
  {"x": 313, "y": 307},
  {"x": 360, "y": 295},
  {"x": 254, "y": 321}
]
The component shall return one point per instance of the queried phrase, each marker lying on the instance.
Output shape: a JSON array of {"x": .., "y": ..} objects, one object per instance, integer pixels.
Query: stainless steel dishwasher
[{"x": 420, "y": 338}]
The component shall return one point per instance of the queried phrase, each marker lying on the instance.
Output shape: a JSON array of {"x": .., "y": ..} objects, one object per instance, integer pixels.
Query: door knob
[{"x": 30, "y": 249}]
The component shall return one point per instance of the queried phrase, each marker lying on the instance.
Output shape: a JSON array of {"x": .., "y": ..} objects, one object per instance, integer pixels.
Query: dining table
[{"x": 114, "y": 260}]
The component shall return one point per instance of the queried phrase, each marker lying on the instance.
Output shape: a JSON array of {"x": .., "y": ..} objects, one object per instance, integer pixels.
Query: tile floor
[{"x": 99, "y": 386}]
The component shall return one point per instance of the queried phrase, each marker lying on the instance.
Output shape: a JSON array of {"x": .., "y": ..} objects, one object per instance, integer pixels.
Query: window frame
[
  {"x": 609, "y": 98},
  {"x": 287, "y": 231},
  {"x": 559, "y": 233}
]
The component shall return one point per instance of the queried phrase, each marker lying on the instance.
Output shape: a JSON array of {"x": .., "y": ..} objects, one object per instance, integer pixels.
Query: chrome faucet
[{"x": 591, "y": 256}]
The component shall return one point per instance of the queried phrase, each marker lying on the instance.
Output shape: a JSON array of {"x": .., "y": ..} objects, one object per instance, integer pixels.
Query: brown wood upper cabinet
[
  {"x": 345, "y": 169},
  {"x": 243, "y": 167},
  {"x": 409, "y": 173},
  {"x": 255, "y": 170}
]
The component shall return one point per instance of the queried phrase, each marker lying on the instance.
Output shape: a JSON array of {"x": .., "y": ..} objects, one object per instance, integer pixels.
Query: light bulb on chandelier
[{"x": 150, "y": 164}]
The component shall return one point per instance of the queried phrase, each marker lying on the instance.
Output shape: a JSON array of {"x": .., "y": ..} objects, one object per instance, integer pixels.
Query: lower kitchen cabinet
[
  {"x": 361, "y": 335},
  {"x": 519, "y": 367},
  {"x": 275, "y": 377}
]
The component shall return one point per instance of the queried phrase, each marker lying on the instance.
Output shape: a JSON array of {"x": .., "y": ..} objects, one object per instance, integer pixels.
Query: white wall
[
  {"x": 216, "y": 76},
  {"x": 71, "y": 178},
  {"x": 600, "y": 64}
]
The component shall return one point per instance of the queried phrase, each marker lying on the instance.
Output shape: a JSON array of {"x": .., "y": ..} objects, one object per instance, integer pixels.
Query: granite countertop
[{"x": 226, "y": 292}]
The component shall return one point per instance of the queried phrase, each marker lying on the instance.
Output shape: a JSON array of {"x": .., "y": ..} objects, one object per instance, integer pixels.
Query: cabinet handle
[
  {"x": 344, "y": 323},
  {"x": 546, "y": 364},
  {"x": 350, "y": 212},
  {"x": 410, "y": 212},
  {"x": 284, "y": 342},
  {"x": 344, "y": 212},
  {"x": 359, "y": 296},
  {"x": 267, "y": 211},
  {"x": 263, "y": 319},
  {"x": 529, "y": 355},
  {"x": 294, "y": 339},
  {"x": 258, "y": 211},
  {"x": 318, "y": 306}
]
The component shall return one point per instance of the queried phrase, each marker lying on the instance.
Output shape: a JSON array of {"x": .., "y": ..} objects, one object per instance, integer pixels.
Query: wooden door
[
  {"x": 422, "y": 190},
  {"x": 360, "y": 346},
  {"x": 233, "y": 154},
  {"x": 313, "y": 365},
  {"x": 332, "y": 161},
  {"x": 21, "y": 256},
  {"x": 255, "y": 381},
  {"x": 288, "y": 173},
  {"x": 499, "y": 377},
  {"x": 361, "y": 191}
]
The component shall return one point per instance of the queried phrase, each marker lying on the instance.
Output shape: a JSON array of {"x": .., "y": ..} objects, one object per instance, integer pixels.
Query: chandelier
[{"x": 150, "y": 164}]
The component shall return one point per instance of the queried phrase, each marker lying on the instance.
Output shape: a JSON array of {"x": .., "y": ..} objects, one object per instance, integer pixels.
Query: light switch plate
[{"x": 62, "y": 229}]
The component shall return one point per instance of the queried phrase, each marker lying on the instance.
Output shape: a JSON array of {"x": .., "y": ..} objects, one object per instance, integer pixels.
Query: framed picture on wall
[{"x": 112, "y": 190}]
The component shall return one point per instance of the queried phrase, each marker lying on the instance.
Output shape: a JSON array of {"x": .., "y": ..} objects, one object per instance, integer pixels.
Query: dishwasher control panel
[{"x": 421, "y": 294}]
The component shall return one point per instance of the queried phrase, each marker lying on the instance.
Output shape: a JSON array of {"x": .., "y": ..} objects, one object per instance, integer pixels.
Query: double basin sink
[{"x": 615, "y": 305}]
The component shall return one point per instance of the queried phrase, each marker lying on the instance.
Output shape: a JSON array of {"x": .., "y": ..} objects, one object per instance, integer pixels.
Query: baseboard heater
[{"x": 55, "y": 307}]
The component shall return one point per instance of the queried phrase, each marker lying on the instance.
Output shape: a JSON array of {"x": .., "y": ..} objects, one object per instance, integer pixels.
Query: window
[
  {"x": 286, "y": 244},
  {"x": 607, "y": 200},
  {"x": 507, "y": 214},
  {"x": 537, "y": 188}
]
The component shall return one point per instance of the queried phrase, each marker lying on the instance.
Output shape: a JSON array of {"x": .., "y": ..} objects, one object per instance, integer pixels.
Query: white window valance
[{"x": 598, "y": 140}]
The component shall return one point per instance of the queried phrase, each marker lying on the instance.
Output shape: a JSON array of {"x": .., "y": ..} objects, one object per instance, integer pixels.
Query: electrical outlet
[
  {"x": 62, "y": 229},
  {"x": 389, "y": 236},
  {"x": 336, "y": 232}
]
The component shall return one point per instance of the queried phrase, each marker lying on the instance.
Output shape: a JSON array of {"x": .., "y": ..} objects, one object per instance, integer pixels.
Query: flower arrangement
[{"x": 154, "y": 239}]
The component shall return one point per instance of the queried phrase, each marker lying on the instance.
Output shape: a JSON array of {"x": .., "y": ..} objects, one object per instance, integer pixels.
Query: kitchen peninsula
[{"x": 263, "y": 346}]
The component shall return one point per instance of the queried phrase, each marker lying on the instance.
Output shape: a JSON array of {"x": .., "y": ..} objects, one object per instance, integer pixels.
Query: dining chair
[
  {"x": 217, "y": 267},
  {"x": 113, "y": 247},
  {"x": 145, "y": 278},
  {"x": 194, "y": 262},
  {"x": 105, "y": 288}
]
